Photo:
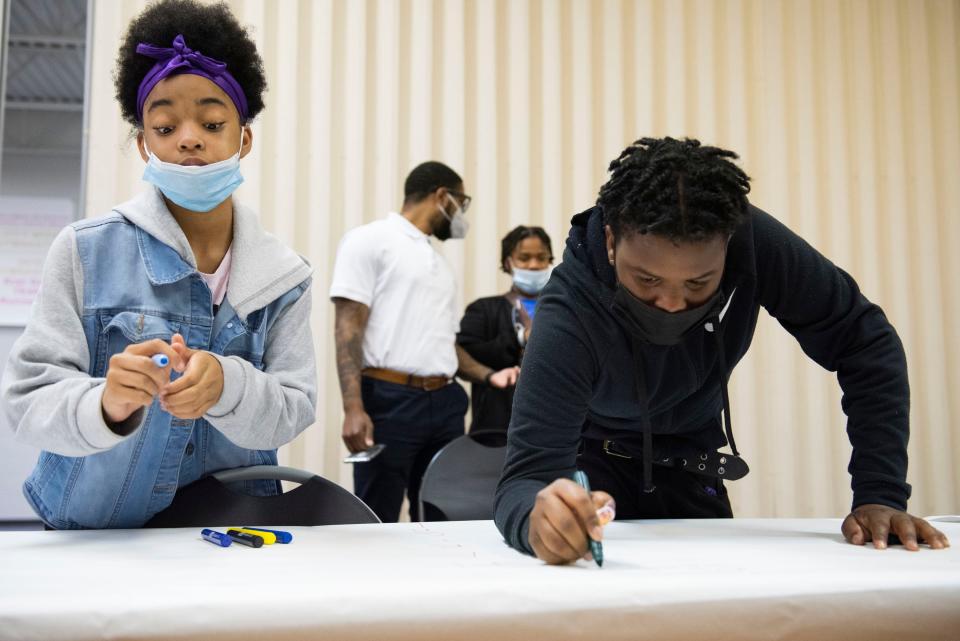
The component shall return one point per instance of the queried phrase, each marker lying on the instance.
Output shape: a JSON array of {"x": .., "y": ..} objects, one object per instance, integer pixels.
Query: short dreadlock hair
[{"x": 674, "y": 188}]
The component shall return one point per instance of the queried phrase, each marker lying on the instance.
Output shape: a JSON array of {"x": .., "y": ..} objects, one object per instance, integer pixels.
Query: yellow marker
[{"x": 269, "y": 538}]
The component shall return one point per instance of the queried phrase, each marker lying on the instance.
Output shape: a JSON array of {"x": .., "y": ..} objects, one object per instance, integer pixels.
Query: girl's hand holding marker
[
  {"x": 135, "y": 377},
  {"x": 141, "y": 373},
  {"x": 200, "y": 387}
]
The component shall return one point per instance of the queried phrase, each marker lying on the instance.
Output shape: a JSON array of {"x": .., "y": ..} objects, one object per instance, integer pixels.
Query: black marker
[{"x": 252, "y": 540}]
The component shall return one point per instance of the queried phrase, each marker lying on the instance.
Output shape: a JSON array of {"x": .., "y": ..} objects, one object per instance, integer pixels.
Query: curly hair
[
  {"x": 674, "y": 188},
  {"x": 210, "y": 29},
  {"x": 517, "y": 235}
]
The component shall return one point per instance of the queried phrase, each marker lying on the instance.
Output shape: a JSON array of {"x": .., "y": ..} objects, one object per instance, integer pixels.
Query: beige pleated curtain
[{"x": 846, "y": 115}]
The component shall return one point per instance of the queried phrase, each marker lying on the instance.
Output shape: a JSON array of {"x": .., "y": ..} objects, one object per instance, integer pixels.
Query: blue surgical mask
[
  {"x": 197, "y": 188},
  {"x": 530, "y": 281}
]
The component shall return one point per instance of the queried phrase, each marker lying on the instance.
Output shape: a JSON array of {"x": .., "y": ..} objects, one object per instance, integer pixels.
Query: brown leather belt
[{"x": 426, "y": 383}]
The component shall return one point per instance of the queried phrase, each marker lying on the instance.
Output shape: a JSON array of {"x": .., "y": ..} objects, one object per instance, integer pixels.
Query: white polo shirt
[{"x": 390, "y": 266}]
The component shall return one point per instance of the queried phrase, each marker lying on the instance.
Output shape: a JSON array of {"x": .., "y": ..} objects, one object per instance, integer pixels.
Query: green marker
[{"x": 596, "y": 549}]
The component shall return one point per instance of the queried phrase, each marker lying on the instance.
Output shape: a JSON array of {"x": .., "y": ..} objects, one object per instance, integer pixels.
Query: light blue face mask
[
  {"x": 197, "y": 188},
  {"x": 530, "y": 281}
]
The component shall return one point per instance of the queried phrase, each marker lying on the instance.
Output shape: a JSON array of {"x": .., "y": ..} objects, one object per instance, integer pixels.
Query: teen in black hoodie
[{"x": 637, "y": 332}]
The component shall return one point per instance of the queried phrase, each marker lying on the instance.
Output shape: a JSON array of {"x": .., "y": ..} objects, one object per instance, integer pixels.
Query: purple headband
[{"x": 183, "y": 59}]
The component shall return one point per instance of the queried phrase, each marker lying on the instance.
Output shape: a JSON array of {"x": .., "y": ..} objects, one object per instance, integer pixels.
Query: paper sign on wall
[{"x": 27, "y": 227}]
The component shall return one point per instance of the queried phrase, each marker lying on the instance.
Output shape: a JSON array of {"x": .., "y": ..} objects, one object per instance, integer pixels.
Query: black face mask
[
  {"x": 444, "y": 231},
  {"x": 658, "y": 327}
]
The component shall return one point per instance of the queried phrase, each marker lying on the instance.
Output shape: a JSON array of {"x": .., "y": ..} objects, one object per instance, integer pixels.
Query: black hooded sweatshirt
[{"x": 579, "y": 376}]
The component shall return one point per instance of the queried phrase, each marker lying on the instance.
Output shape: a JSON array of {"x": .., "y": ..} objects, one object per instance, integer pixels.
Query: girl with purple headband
[{"x": 171, "y": 337}]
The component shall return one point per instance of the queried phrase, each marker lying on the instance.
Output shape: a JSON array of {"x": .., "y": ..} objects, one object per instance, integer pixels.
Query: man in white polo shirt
[{"x": 396, "y": 325}]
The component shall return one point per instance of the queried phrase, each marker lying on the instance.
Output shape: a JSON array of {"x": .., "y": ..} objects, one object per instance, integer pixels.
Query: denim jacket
[{"x": 129, "y": 277}]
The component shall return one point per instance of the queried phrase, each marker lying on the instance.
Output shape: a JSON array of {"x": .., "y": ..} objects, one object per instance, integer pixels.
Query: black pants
[
  {"x": 678, "y": 495},
  {"x": 413, "y": 424}
]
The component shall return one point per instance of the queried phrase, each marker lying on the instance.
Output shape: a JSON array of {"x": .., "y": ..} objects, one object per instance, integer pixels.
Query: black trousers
[
  {"x": 678, "y": 495},
  {"x": 413, "y": 424}
]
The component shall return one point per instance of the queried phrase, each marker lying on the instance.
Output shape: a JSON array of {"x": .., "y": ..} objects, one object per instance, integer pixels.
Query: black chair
[
  {"x": 317, "y": 501},
  {"x": 460, "y": 482}
]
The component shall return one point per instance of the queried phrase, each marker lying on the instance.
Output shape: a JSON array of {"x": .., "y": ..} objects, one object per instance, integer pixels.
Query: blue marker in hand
[
  {"x": 160, "y": 360},
  {"x": 595, "y": 548}
]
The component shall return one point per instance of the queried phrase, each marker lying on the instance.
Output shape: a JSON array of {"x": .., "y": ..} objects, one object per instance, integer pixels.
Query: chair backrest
[
  {"x": 461, "y": 480},
  {"x": 209, "y": 502}
]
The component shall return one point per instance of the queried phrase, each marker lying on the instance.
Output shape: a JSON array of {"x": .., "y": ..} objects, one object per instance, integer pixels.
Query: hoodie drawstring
[
  {"x": 714, "y": 328},
  {"x": 644, "y": 400},
  {"x": 641, "y": 389}
]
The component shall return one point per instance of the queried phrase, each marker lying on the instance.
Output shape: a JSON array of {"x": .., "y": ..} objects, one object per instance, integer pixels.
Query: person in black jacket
[
  {"x": 625, "y": 377},
  {"x": 494, "y": 330}
]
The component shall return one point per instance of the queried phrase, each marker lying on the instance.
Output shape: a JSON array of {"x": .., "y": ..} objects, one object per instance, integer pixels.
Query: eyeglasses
[{"x": 463, "y": 199}]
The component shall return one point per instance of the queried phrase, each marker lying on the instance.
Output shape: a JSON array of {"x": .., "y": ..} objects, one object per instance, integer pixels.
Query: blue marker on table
[
  {"x": 160, "y": 360},
  {"x": 282, "y": 537},
  {"x": 595, "y": 548},
  {"x": 217, "y": 538}
]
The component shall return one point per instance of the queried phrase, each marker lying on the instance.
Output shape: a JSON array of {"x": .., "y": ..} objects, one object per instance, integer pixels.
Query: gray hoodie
[{"x": 53, "y": 402}]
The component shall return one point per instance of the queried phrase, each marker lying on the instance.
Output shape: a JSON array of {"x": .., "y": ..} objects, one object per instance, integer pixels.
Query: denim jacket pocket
[{"x": 128, "y": 328}]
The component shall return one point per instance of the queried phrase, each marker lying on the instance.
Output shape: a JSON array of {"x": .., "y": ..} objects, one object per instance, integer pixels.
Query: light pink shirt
[{"x": 217, "y": 281}]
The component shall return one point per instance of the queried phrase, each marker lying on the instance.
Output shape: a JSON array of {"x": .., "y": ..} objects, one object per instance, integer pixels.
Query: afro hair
[{"x": 210, "y": 29}]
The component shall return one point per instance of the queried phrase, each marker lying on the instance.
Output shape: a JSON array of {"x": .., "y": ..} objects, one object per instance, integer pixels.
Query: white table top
[{"x": 667, "y": 580}]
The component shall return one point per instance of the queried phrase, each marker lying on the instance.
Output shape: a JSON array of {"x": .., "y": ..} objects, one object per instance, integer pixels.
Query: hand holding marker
[
  {"x": 605, "y": 514},
  {"x": 135, "y": 377}
]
